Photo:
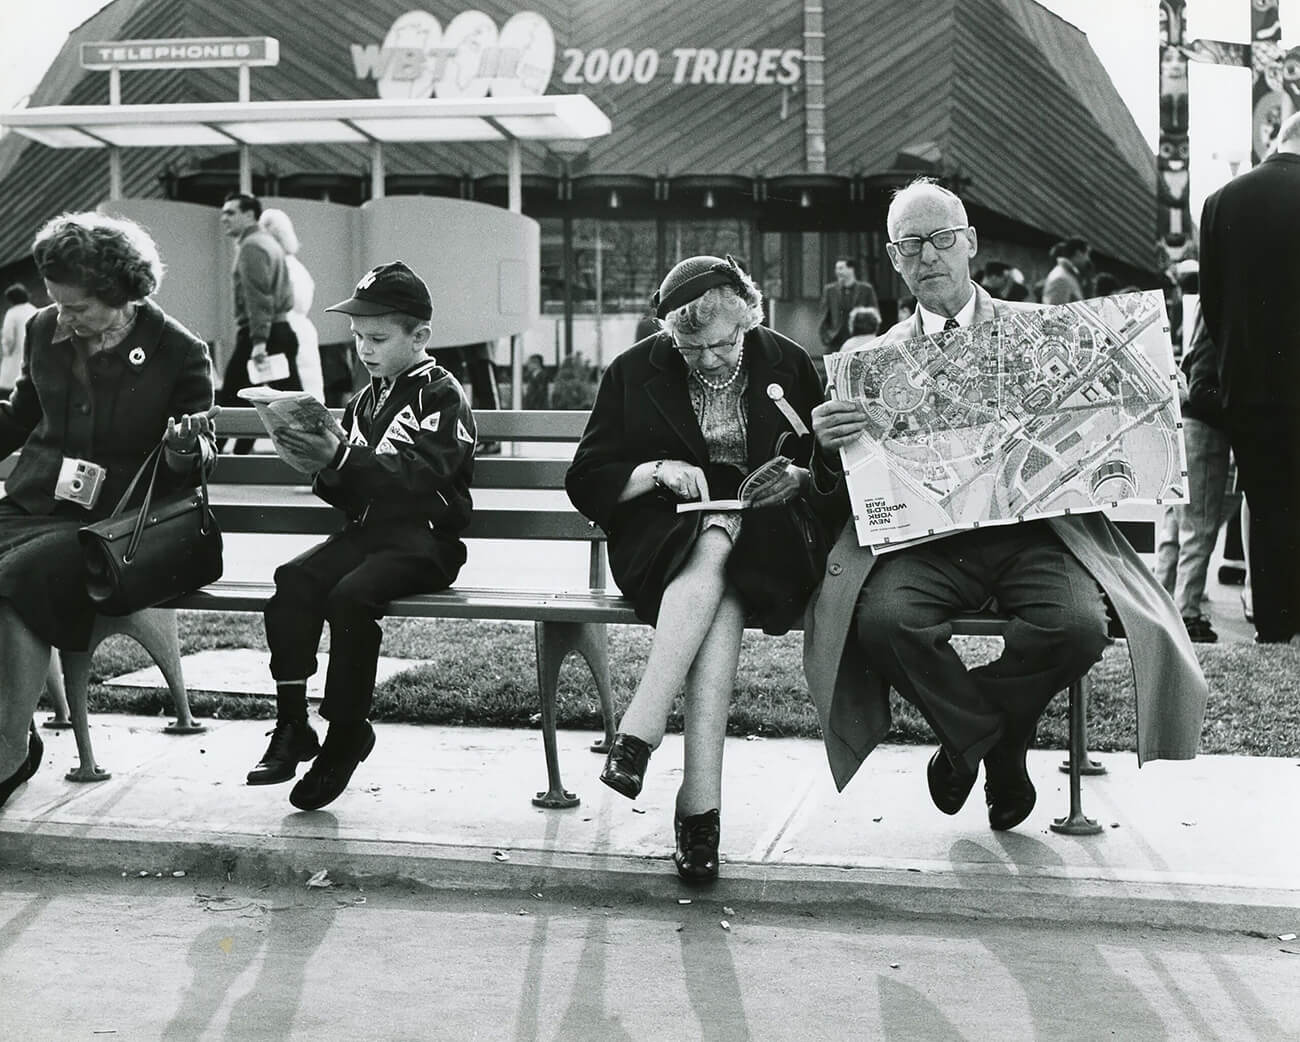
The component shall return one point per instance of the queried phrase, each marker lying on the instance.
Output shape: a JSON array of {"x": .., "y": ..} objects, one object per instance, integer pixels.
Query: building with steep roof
[{"x": 773, "y": 130}]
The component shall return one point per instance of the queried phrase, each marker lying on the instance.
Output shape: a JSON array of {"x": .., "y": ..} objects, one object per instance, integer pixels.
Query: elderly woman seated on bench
[
  {"x": 123, "y": 375},
  {"x": 678, "y": 417}
]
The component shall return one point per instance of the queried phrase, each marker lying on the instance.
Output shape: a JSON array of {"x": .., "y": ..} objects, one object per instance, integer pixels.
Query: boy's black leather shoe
[
  {"x": 696, "y": 856},
  {"x": 345, "y": 747},
  {"x": 625, "y": 765},
  {"x": 949, "y": 786},
  {"x": 292, "y": 743}
]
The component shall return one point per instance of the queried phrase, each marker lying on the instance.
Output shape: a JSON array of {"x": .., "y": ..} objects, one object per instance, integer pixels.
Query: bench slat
[
  {"x": 269, "y": 510},
  {"x": 542, "y": 425},
  {"x": 489, "y": 471},
  {"x": 458, "y": 603},
  {"x": 468, "y": 602}
]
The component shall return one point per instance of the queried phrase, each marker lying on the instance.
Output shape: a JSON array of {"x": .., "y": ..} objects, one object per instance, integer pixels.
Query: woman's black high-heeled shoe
[
  {"x": 625, "y": 765},
  {"x": 35, "y": 750},
  {"x": 696, "y": 856}
]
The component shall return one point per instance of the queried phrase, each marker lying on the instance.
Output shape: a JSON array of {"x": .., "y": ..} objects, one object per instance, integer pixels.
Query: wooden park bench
[{"x": 260, "y": 494}]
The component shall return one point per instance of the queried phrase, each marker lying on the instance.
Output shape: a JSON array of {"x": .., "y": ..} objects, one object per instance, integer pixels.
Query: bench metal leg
[
  {"x": 57, "y": 694},
  {"x": 554, "y": 642},
  {"x": 1077, "y": 823},
  {"x": 1087, "y": 765},
  {"x": 76, "y": 675},
  {"x": 154, "y": 630}
]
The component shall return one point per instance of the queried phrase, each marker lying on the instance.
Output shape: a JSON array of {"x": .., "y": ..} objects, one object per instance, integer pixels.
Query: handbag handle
[
  {"x": 151, "y": 464},
  {"x": 780, "y": 447}
]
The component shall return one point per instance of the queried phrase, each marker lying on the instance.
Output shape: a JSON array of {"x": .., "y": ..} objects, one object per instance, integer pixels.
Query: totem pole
[{"x": 1275, "y": 95}]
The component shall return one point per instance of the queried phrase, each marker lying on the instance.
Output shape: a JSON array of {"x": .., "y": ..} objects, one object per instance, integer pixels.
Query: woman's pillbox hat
[
  {"x": 388, "y": 288},
  {"x": 692, "y": 278}
]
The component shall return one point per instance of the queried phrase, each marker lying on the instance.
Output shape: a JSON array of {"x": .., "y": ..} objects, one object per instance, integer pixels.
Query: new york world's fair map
[{"x": 1038, "y": 413}]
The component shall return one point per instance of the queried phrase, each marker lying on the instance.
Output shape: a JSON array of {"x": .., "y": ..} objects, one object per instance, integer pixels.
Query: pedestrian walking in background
[
  {"x": 263, "y": 304},
  {"x": 1064, "y": 283},
  {"x": 1189, "y": 530},
  {"x": 280, "y": 225},
  {"x": 839, "y": 298},
  {"x": 1249, "y": 273},
  {"x": 14, "y": 335}
]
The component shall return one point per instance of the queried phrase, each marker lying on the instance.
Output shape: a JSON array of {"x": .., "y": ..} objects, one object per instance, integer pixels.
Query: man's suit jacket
[
  {"x": 834, "y": 327},
  {"x": 1250, "y": 286},
  {"x": 852, "y": 699}
]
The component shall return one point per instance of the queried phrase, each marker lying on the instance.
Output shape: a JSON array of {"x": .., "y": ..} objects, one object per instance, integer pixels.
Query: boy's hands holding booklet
[
  {"x": 315, "y": 448},
  {"x": 303, "y": 431}
]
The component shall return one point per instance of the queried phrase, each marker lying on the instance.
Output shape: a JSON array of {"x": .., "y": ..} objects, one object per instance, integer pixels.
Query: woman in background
[{"x": 279, "y": 225}]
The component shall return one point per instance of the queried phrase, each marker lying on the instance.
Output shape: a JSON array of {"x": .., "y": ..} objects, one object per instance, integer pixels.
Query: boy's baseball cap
[{"x": 388, "y": 288}]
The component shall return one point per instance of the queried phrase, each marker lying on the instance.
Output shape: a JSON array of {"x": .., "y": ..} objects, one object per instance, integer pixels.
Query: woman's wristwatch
[{"x": 657, "y": 476}]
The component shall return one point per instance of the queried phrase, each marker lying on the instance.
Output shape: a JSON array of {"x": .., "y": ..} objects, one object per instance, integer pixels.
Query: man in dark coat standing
[
  {"x": 1250, "y": 271},
  {"x": 839, "y": 298}
]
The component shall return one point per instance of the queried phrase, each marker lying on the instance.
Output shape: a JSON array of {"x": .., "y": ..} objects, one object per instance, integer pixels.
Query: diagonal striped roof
[{"x": 1004, "y": 90}]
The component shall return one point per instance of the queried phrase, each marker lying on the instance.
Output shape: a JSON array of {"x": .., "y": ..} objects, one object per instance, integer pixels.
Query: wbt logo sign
[{"x": 468, "y": 59}]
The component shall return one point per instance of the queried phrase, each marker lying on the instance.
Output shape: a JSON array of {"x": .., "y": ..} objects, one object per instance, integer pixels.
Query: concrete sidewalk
[{"x": 1206, "y": 843}]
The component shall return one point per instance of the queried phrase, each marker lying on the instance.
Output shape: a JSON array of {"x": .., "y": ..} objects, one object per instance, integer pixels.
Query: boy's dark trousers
[{"x": 347, "y": 581}]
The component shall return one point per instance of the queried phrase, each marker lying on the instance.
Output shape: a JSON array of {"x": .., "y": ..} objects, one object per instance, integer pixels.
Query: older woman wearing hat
[{"x": 681, "y": 416}]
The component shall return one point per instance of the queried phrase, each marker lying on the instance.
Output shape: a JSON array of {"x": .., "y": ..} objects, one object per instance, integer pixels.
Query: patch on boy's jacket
[
  {"x": 403, "y": 424},
  {"x": 386, "y": 447},
  {"x": 430, "y": 422},
  {"x": 462, "y": 433}
]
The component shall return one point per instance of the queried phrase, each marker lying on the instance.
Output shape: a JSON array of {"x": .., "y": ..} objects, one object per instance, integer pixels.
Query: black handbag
[
  {"x": 167, "y": 548},
  {"x": 778, "y": 561}
]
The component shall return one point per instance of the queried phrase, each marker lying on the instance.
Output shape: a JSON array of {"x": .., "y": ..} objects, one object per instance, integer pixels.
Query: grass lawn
[{"x": 484, "y": 674}]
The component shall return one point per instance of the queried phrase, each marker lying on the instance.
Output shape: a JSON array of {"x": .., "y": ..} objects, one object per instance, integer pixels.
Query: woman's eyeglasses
[{"x": 721, "y": 347}]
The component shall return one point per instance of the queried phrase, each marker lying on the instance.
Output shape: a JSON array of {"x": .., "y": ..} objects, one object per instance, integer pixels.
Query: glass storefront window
[{"x": 714, "y": 238}]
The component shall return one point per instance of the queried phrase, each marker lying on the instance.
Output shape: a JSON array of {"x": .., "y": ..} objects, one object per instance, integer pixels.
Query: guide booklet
[
  {"x": 291, "y": 410},
  {"x": 758, "y": 479}
]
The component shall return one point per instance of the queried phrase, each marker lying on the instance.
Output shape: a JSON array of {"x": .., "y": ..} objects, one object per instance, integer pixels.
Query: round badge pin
[
  {"x": 776, "y": 392},
  {"x": 136, "y": 357}
]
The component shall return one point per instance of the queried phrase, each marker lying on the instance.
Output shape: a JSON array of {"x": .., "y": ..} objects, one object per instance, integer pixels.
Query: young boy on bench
[{"x": 402, "y": 480}]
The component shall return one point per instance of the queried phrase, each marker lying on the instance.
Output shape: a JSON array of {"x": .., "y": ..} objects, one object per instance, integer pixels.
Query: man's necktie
[{"x": 950, "y": 324}]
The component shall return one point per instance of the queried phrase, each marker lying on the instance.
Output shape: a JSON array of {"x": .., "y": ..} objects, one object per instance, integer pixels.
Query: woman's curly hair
[{"x": 111, "y": 258}]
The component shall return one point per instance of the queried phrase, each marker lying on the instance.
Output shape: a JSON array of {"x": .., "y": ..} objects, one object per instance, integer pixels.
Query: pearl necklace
[{"x": 716, "y": 387}]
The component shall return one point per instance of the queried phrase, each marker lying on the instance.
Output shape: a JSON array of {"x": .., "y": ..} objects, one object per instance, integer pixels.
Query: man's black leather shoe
[
  {"x": 949, "y": 785},
  {"x": 291, "y": 744},
  {"x": 625, "y": 765},
  {"x": 1008, "y": 790},
  {"x": 345, "y": 747},
  {"x": 35, "y": 751}
]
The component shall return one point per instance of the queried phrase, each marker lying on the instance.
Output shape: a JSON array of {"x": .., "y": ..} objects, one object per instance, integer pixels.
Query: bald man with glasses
[{"x": 882, "y": 622}]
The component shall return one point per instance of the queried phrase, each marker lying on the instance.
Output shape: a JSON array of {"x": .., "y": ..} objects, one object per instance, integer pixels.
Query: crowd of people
[{"x": 683, "y": 424}]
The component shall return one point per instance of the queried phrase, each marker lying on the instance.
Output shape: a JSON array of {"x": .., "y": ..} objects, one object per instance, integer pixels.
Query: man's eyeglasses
[
  {"x": 722, "y": 347},
  {"x": 943, "y": 239}
]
